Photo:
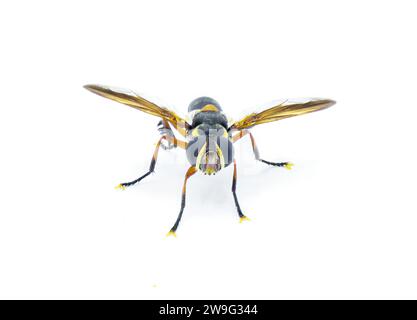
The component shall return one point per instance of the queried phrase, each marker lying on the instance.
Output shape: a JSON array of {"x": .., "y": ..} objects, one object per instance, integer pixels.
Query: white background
[{"x": 341, "y": 224}]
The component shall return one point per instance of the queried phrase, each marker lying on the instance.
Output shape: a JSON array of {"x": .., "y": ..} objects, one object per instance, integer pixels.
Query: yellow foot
[
  {"x": 120, "y": 186},
  {"x": 172, "y": 233},
  {"x": 288, "y": 165},
  {"x": 243, "y": 218}
]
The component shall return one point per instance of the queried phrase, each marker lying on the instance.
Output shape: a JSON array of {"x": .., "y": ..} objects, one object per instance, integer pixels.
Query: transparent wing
[
  {"x": 131, "y": 99},
  {"x": 281, "y": 111}
]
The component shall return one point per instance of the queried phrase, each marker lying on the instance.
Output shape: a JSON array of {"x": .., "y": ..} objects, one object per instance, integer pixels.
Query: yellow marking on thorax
[{"x": 209, "y": 107}]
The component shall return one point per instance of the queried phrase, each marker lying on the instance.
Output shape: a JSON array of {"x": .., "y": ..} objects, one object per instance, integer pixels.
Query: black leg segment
[
  {"x": 241, "y": 134},
  {"x": 189, "y": 173},
  {"x": 286, "y": 165},
  {"x": 151, "y": 168},
  {"x": 242, "y": 217}
]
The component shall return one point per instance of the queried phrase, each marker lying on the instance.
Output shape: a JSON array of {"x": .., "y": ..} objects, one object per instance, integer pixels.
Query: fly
[{"x": 208, "y": 140}]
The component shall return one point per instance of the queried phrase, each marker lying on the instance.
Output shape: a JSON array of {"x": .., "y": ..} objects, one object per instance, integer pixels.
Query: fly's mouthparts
[{"x": 210, "y": 163}]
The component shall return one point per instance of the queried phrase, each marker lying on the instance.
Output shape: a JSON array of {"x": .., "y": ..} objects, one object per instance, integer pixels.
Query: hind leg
[
  {"x": 171, "y": 142},
  {"x": 165, "y": 130}
]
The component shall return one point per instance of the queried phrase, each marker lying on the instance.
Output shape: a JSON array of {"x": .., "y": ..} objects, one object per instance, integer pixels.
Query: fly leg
[
  {"x": 171, "y": 140},
  {"x": 189, "y": 173},
  {"x": 242, "y": 217},
  {"x": 151, "y": 168},
  {"x": 165, "y": 130},
  {"x": 241, "y": 134}
]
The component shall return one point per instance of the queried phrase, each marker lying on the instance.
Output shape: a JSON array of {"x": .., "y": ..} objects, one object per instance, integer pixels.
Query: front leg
[
  {"x": 192, "y": 170},
  {"x": 241, "y": 134},
  {"x": 242, "y": 217}
]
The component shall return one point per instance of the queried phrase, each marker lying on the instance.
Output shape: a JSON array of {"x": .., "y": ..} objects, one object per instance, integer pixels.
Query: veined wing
[
  {"x": 133, "y": 100},
  {"x": 281, "y": 111}
]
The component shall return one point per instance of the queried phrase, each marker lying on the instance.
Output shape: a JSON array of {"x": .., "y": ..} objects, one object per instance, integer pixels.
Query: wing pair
[{"x": 278, "y": 112}]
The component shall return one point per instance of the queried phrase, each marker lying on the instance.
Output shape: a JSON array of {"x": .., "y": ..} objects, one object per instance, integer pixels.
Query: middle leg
[
  {"x": 241, "y": 134},
  {"x": 172, "y": 140},
  {"x": 151, "y": 168}
]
